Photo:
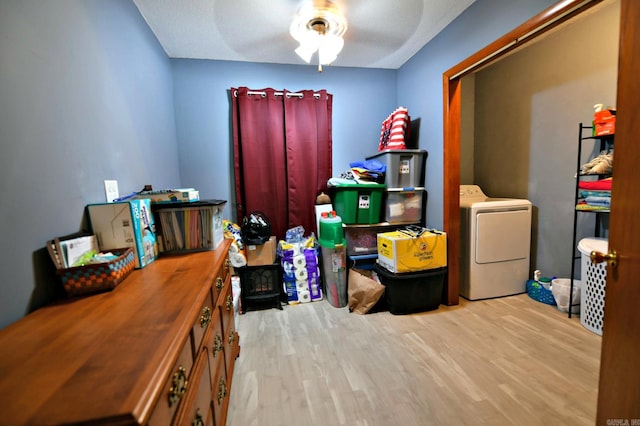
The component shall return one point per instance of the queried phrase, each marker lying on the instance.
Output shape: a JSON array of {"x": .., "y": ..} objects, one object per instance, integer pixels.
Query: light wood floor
[{"x": 507, "y": 361}]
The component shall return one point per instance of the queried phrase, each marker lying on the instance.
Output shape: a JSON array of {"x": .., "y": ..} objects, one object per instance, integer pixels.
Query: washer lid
[
  {"x": 472, "y": 196},
  {"x": 500, "y": 204}
]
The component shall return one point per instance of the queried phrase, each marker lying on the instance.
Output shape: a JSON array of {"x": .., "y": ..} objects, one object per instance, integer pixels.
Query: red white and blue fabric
[{"x": 396, "y": 129}]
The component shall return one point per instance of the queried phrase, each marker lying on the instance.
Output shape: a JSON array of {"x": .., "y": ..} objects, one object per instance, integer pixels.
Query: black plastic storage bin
[{"x": 412, "y": 292}]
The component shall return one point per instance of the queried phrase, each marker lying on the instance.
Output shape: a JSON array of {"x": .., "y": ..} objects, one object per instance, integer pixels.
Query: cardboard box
[
  {"x": 400, "y": 252},
  {"x": 263, "y": 254},
  {"x": 125, "y": 224}
]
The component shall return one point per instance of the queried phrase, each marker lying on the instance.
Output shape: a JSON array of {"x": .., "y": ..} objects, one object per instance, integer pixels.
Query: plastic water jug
[{"x": 330, "y": 231}]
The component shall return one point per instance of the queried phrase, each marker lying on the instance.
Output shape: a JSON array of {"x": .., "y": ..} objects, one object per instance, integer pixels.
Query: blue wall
[
  {"x": 420, "y": 78},
  {"x": 88, "y": 94},
  {"x": 362, "y": 99},
  {"x": 85, "y": 95}
]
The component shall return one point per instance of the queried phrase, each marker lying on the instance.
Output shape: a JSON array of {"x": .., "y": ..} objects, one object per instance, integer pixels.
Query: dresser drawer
[
  {"x": 226, "y": 267},
  {"x": 231, "y": 351},
  {"x": 225, "y": 302},
  {"x": 215, "y": 342},
  {"x": 222, "y": 279},
  {"x": 174, "y": 388},
  {"x": 195, "y": 408},
  {"x": 202, "y": 322},
  {"x": 231, "y": 338},
  {"x": 220, "y": 391}
]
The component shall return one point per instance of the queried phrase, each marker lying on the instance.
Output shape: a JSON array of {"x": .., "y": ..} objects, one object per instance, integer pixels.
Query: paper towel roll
[
  {"x": 296, "y": 250},
  {"x": 315, "y": 293},
  {"x": 301, "y": 274},
  {"x": 310, "y": 257},
  {"x": 304, "y": 296},
  {"x": 313, "y": 281},
  {"x": 237, "y": 260},
  {"x": 287, "y": 254},
  {"x": 299, "y": 261},
  {"x": 313, "y": 273},
  {"x": 287, "y": 270},
  {"x": 302, "y": 286}
]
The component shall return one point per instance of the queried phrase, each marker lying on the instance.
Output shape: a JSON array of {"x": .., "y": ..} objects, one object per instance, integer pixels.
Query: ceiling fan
[
  {"x": 319, "y": 26},
  {"x": 380, "y": 34}
]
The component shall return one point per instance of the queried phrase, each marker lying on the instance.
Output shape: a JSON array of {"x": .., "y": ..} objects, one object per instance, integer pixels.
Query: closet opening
[{"x": 511, "y": 42}]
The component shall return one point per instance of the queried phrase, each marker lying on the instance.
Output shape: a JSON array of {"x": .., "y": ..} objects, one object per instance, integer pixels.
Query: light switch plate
[{"x": 111, "y": 190}]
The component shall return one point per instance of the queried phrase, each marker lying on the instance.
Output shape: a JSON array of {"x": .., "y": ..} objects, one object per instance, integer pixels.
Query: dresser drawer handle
[
  {"x": 205, "y": 317},
  {"x": 219, "y": 283},
  {"x": 179, "y": 386},
  {"x": 232, "y": 337},
  {"x": 198, "y": 419},
  {"x": 222, "y": 391},
  {"x": 217, "y": 345},
  {"x": 229, "y": 303},
  {"x": 227, "y": 265}
]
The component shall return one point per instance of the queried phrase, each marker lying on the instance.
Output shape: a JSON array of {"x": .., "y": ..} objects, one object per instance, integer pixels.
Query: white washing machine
[{"x": 495, "y": 240}]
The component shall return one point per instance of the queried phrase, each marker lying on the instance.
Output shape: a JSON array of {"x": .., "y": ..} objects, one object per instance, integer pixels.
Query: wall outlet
[{"x": 111, "y": 190}]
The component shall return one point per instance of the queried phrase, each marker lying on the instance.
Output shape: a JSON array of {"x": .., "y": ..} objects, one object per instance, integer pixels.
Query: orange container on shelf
[{"x": 604, "y": 122}]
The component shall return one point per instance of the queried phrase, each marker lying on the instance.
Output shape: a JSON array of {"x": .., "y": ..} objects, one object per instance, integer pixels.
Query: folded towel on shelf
[
  {"x": 590, "y": 207},
  {"x": 598, "y": 201},
  {"x": 585, "y": 194},
  {"x": 597, "y": 185}
]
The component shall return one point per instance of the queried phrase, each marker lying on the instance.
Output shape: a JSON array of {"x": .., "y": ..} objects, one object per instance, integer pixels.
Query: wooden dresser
[{"x": 159, "y": 349}]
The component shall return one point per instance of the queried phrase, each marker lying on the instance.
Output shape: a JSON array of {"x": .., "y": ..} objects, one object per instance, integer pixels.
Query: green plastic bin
[{"x": 358, "y": 203}]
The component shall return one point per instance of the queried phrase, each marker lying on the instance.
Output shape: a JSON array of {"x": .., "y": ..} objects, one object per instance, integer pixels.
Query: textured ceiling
[{"x": 381, "y": 33}]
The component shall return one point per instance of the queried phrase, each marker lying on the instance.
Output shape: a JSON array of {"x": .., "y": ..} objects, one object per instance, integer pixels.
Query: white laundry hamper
[{"x": 594, "y": 280}]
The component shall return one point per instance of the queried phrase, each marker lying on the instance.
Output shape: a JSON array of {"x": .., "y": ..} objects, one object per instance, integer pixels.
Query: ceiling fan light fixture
[
  {"x": 306, "y": 51},
  {"x": 329, "y": 49},
  {"x": 319, "y": 26}
]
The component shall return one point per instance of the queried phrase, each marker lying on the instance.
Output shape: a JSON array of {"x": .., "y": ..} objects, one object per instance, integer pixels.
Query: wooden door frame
[
  {"x": 618, "y": 390},
  {"x": 451, "y": 83}
]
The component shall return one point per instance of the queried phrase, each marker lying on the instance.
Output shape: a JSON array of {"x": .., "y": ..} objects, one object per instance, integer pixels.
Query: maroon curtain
[{"x": 282, "y": 154}]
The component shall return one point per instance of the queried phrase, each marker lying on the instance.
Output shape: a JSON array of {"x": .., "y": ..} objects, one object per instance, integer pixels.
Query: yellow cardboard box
[{"x": 400, "y": 252}]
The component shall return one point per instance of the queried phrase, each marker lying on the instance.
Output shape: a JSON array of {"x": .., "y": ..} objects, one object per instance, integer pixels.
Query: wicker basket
[
  {"x": 539, "y": 293},
  {"x": 98, "y": 277}
]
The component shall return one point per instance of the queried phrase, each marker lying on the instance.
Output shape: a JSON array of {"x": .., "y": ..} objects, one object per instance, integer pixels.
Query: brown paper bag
[{"x": 364, "y": 291}]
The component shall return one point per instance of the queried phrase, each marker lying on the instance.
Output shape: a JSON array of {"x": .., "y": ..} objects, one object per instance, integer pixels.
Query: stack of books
[
  {"x": 183, "y": 195},
  {"x": 193, "y": 226}
]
